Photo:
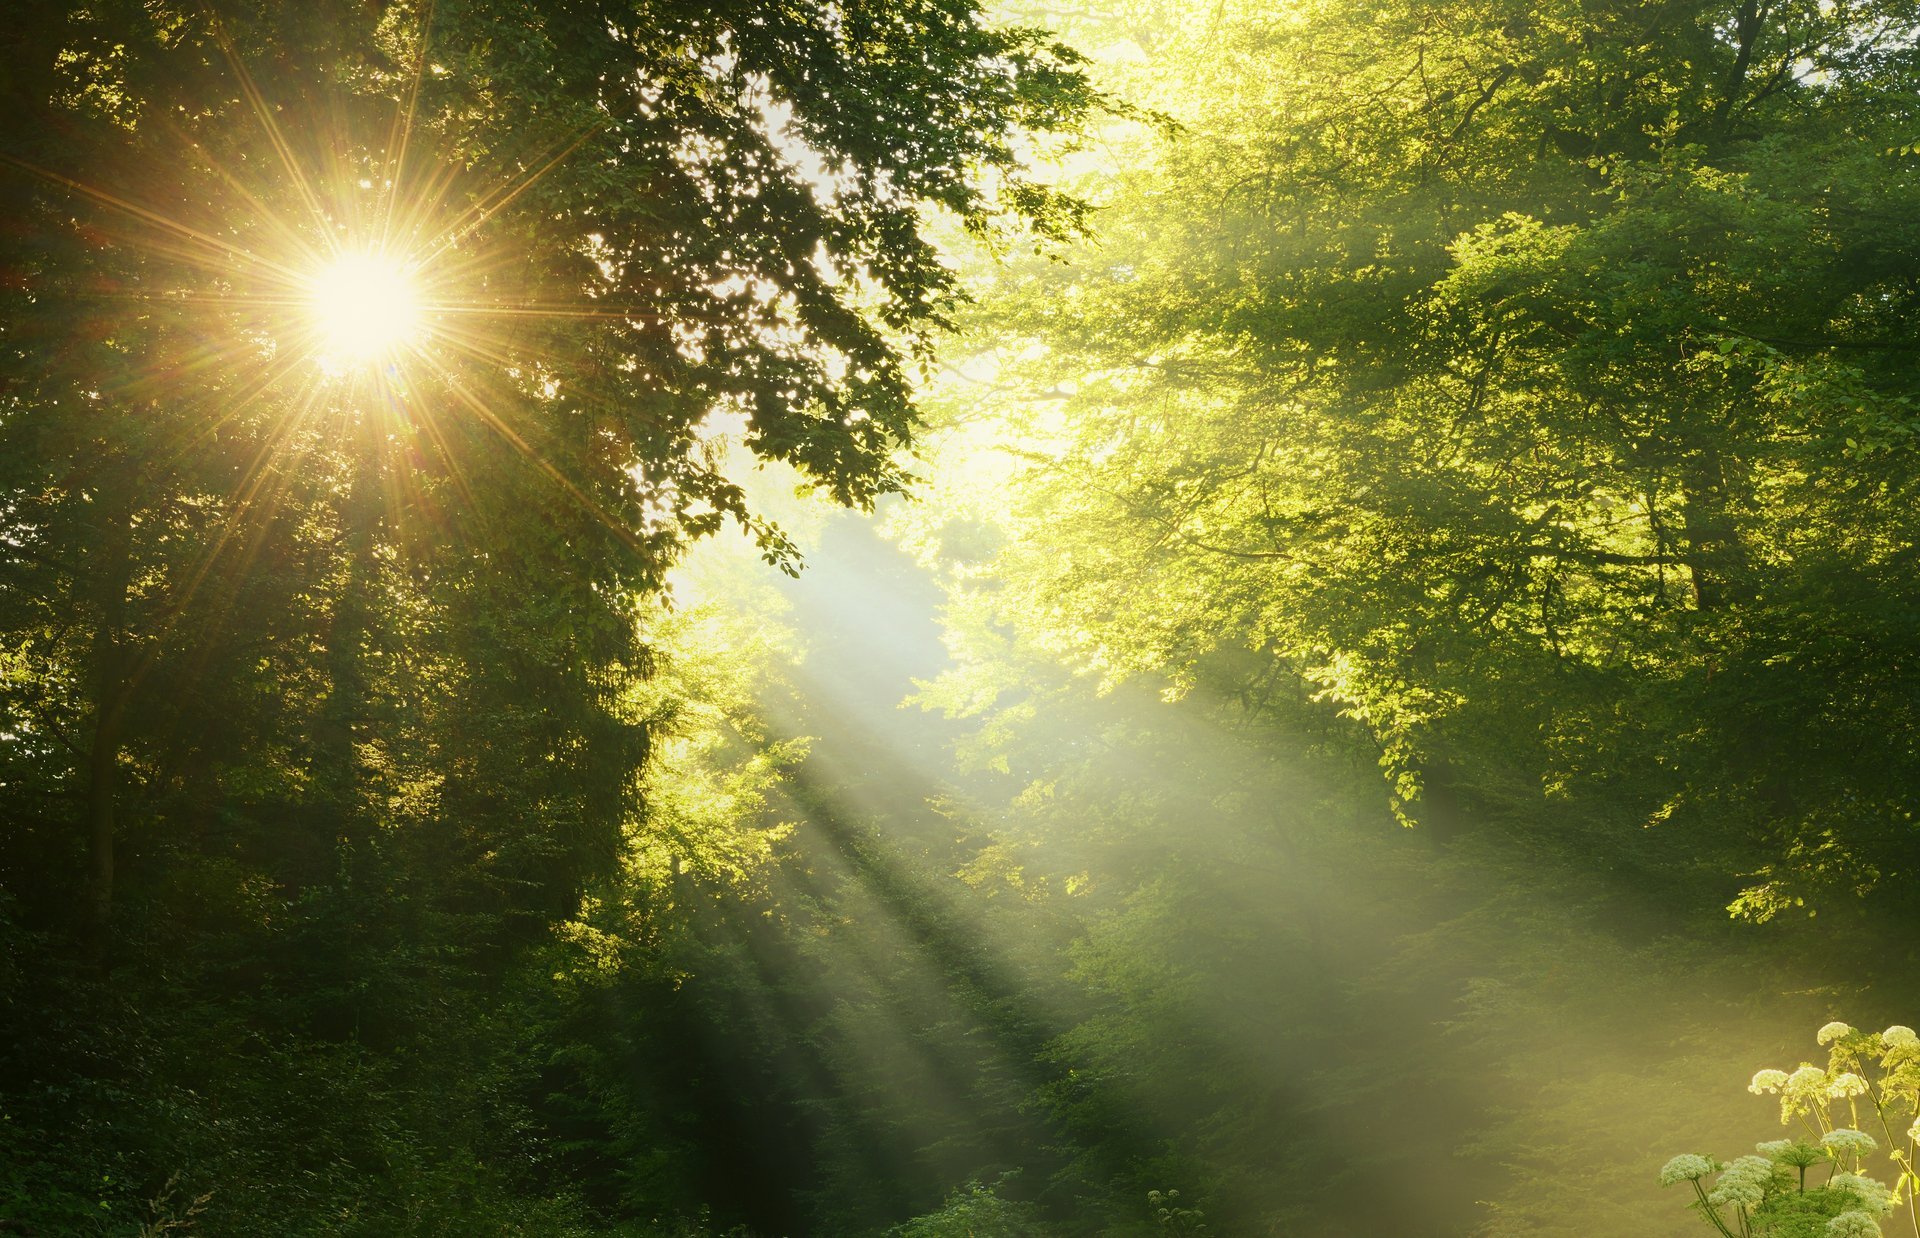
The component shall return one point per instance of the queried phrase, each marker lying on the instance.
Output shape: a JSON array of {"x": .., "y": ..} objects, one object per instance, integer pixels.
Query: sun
[{"x": 365, "y": 309}]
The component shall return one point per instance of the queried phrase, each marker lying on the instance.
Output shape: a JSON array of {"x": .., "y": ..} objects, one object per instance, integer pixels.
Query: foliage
[
  {"x": 1269, "y": 975},
  {"x": 327, "y": 685},
  {"x": 1866, "y": 1073},
  {"x": 1759, "y": 1195},
  {"x": 1491, "y": 418},
  {"x": 974, "y": 1209},
  {"x": 1528, "y": 382}
]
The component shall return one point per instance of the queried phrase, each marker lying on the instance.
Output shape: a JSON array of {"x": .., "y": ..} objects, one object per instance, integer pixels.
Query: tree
[
  {"x": 1531, "y": 382},
  {"x": 363, "y": 371},
  {"x": 625, "y": 222}
]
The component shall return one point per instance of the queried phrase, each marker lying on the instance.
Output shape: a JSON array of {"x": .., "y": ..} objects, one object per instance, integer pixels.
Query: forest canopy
[
  {"x": 1536, "y": 384},
  {"x": 239, "y": 553},
  {"x": 1381, "y": 683}
]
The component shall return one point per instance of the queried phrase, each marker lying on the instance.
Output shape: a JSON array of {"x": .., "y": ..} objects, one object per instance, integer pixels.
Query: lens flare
[{"x": 365, "y": 309}]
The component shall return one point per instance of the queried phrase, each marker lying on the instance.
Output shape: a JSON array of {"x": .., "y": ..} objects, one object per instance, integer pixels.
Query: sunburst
[
  {"x": 365, "y": 308},
  {"x": 349, "y": 292}
]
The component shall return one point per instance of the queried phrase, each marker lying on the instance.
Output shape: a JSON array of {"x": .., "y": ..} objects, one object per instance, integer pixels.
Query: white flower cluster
[
  {"x": 1874, "y": 1196},
  {"x": 1806, "y": 1090},
  {"x": 1900, "y": 1037},
  {"x": 1744, "y": 1182},
  {"x": 1845, "y": 1141},
  {"x": 1832, "y": 1032},
  {"x": 1807, "y": 1081},
  {"x": 1853, "y": 1225},
  {"x": 1846, "y": 1084},
  {"x": 1791, "y": 1152},
  {"x": 1685, "y": 1168}
]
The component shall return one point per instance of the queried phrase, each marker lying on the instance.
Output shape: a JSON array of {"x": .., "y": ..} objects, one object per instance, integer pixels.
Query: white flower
[
  {"x": 1847, "y": 1084},
  {"x": 1913, "y": 1132},
  {"x": 1744, "y": 1182},
  {"x": 1735, "y": 1190},
  {"x": 1845, "y": 1141},
  {"x": 1832, "y": 1032},
  {"x": 1685, "y": 1168},
  {"x": 1807, "y": 1079},
  {"x": 1758, "y": 1168},
  {"x": 1773, "y": 1147},
  {"x": 1899, "y": 1037},
  {"x": 1768, "y": 1081},
  {"x": 1873, "y": 1196},
  {"x": 1853, "y": 1225}
]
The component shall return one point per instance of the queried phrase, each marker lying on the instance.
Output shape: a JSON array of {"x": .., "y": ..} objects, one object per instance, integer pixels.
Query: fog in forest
[
  {"x": 1193, "y": 933},
  {"x": 916, "y": 620}
]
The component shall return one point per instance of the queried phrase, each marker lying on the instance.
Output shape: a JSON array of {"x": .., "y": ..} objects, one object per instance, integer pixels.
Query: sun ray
[
  {"x": 556, "y": 311},
  {"x": 288, "y": 235},
  {"x": 449, "y": 458},
  {"x": 225, "y": 249},
  {"x": 484, "y": 209},
  {"x": 513, "y": 438},
  {"x": 367, "y": 290},
  {"x": 263, "y": 504},
  {"x": 479, "y": 348},
  {"x": 238, "y": 505},
  {"x": 238, "y": 403},
  {"x": 400, "y": 136},
  {"x": 296, "y": 175}
]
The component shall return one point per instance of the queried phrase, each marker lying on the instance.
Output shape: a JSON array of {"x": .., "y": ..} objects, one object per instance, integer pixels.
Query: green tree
[
  {"x": 323, "y": 662},
  {"x": 1531, "y": 382}
]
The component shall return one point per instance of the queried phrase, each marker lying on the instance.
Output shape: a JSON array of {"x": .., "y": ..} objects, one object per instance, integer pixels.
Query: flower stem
[{"x": 1709, "y": 1211}]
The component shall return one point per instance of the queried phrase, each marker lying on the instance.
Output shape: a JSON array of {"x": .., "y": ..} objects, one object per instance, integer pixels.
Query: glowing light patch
[{"x": 365, "y": 308}]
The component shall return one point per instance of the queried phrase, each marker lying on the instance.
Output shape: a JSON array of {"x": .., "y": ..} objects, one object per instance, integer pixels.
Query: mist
[{"x": 949, "y": 620}]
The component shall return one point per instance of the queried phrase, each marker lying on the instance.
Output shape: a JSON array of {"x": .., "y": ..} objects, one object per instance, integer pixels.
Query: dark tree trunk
[
  {"x": 112, "y": 690},
  {"x": 1715, "y": 555},
  {"x": 335, "y": 761}
]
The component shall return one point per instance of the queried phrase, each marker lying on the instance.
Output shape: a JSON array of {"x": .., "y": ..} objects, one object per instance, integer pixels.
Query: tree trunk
[
  {"x": 112, "y": 688},
  {"x": 1715, "y": 558},
  {"x": 1746, "y": 34},
  {"x": 335, "y": 761},
  {"x": 103, "y": 785}
]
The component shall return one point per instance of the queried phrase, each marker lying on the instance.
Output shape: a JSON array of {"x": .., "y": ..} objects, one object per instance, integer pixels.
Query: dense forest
[{"x": 905, "y": 619}]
